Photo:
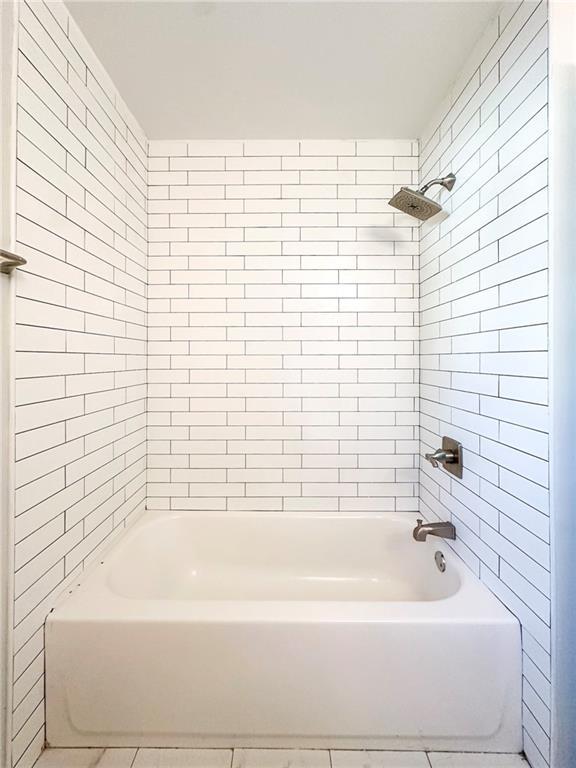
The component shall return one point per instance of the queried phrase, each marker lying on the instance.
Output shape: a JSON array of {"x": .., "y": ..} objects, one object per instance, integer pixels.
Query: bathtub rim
[{"x": 91, "y": 598}]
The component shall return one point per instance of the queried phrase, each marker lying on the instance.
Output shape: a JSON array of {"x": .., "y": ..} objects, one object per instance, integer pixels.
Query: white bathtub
[{"x": 275, "y": 630}]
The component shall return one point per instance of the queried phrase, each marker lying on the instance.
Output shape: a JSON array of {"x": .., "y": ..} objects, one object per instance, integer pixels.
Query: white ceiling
[{"x": 282, "y": 69}]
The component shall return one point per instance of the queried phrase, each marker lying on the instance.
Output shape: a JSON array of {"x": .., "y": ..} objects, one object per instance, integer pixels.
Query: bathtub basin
[{"x": 221, "y": 629}]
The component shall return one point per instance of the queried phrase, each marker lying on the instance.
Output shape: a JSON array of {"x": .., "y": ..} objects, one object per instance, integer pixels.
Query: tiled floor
[{"x": 269, "y": 758}]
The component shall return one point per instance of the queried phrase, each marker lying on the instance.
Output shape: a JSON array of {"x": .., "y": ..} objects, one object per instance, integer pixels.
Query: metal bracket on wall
[{"x": 9, "y": 262}]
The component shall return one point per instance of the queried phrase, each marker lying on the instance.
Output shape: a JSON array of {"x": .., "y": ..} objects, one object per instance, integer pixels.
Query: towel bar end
[{"x": 9, "y": 262}]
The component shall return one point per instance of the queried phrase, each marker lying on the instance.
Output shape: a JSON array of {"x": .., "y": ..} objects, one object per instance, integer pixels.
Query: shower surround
[
  {"x": 80, "y": 339},
  {"x": 484, "y": 333},
  {"x": 283, "y": 329},
  {"x": 282, "y": 342}
]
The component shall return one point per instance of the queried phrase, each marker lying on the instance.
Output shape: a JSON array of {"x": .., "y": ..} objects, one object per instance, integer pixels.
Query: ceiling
[{"x": 282, "y": 69}]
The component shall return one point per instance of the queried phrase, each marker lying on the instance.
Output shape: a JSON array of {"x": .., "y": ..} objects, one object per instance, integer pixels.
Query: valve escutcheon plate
[{"x": 454, "y": 467}]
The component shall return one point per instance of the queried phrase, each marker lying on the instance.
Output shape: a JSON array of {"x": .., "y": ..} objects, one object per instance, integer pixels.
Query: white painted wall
[
  {"x": 280, "y": 70},
  {"x": 282, "y": 333},
  {"x": 563, "y": 377},
  {"x": 8, "y": 38},
  {"x": 484, "y": 333}
]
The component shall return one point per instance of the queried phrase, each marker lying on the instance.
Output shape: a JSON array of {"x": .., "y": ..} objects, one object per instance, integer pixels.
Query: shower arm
[{"x": 447, "y": 182}]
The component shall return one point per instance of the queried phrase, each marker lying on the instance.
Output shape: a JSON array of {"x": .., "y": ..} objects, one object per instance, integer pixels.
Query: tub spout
[{"x": 444, "y": 530}]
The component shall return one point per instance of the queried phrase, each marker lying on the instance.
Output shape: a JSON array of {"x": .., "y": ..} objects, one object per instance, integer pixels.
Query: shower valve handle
[
  {"x": 450, "y": 456},
  {"x": 441, "y": 456}
]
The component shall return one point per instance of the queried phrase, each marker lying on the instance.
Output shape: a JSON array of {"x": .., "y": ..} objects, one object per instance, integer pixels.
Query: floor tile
[
  {"x": 183, "y": 758},
  {"x": 117, "y": 758},
  {"x": 86, "y": 758},
  {"x": 475, "y": 760},
  {"x": 281, "y": 758},
  {"x": 345, "y": 758},
  {"x": 69, "y": 758}
]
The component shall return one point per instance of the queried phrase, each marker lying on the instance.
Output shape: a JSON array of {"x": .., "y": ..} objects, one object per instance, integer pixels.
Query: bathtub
[{"x": 221, "y": 629}]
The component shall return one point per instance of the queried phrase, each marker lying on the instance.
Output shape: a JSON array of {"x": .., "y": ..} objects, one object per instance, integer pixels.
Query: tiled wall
[
  {"x": 282, "y": 338},
  {"x": 283, "y": 368},
  {"x": 80, "y": 334},
  {"x": 484, "y": 334}
]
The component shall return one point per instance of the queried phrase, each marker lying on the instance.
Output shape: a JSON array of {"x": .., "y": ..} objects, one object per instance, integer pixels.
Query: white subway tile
[
  {"x": 283, "y": 318},
  {"x": 492, "y": 300}
]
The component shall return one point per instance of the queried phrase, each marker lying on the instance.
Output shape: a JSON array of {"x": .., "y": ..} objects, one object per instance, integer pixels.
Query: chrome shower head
[{"x": 415, "y": 203}]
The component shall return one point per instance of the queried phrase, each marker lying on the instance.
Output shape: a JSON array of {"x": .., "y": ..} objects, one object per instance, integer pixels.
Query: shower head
[{"x": 415, "y": 203}]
